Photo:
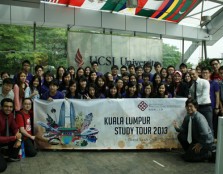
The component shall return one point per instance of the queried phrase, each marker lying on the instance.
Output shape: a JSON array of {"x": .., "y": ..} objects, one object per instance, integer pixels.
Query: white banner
[
  {"x": 107, "y": 123},
  {"x": 110, "y": 50}
]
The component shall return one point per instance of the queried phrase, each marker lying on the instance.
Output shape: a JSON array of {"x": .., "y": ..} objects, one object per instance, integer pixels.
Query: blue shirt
[
  {"x": 58, "y": 95},
  {"x": 214, "y": 87}
]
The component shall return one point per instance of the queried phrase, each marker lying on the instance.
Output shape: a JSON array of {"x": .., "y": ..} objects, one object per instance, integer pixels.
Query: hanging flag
[
  {"x": 149, "y": 7},
  {"x": 163, "y": 8},
  {"x": 107, "y": 5},
  {"x": 79, "y": 59},
  {"x": 65, "y": 2},
  {"x": 175, "y": 10},
  {"x": 185, "y": 9}
]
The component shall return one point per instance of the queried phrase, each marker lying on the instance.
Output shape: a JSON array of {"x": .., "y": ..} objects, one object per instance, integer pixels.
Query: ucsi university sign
[
  {"x": 109, "y": 61},
  {"x": 108, "y": 50}
]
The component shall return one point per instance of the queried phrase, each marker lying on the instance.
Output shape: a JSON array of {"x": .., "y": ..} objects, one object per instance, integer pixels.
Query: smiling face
[
  {"x": 113, "y": 91},
  {"x": 80, "y": 72},
  {"x": 139, "y": 71},
  {"x": 40, "y": 72},
  {"x": 206, "y": 74},
  {"x": 5, "y": 75},
  {"x": 53, "y": 89},
  {"x": 87, "y": 71},
  {"x": 162, "y": 89},
  {"x": 26, "y": 67},
  {"x": 132, "y": 78},
  {"x": 193, "y": 74},
  {"x": 114, "y": 71},
  {"x": 147, "y": 69},
  {"x": 91, "y": 91},
  {"x": 177, "y": 78},
  {"x": 215, "y": 65},
  {"x": 110, "y": 77},
  {"x": 164, "y": 73},
  {"x": 60, "y": 72},
  {"x": 123, "y": 70},
  {"x": 148, "y": 90},
  {"x": 48, "y": 78},
  {"x": 119, "y": 83},
  {"x": 36, "y": 82},
  {"x": 101, "y": 82},
  {"x": 7, "y": 108},
  {"x": 27, "y": 105},
  {"x": 6, "y": 88},
  {"x": 157, "y": 79},
  {"x": 67, "y": 79},
  {"x": 73, "y": 88},
  {"x": 93, "y": 76},
  {"x": 22, "y": 77},
  {"x": 191, "y": 108},
  {"x": 158, "y": 68},
  {"x": 187, "y": 77},
  {"x": 83, "y": 84}
]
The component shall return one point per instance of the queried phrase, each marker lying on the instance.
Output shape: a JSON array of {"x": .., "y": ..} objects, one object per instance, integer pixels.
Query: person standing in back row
[{"x": 200, "y": 91}]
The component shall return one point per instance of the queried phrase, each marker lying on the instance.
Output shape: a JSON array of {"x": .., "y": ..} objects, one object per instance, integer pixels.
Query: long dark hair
[
  {"x": 101, "y": 90},
  {"x": 21, "y": 90},
  {"x": 69, "y": 95},
  {"x": 31, "y": 83}
]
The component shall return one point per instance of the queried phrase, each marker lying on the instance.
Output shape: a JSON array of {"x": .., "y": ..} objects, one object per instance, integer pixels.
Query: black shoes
[
  {"x": 13, "y": 159},
  {"x": 212, "y": 158}
]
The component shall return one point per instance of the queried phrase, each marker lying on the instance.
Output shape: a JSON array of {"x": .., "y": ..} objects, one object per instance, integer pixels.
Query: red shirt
[
  {"x": 20, "y": 121},
  {"x": 216, "y": 77},
  {"x": 13, "y": 128}
]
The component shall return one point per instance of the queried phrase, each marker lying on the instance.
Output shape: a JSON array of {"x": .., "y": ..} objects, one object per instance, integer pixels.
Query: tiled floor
[{"x": 103, "y": 162}]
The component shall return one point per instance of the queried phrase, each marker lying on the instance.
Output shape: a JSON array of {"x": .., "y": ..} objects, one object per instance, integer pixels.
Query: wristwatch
[{"x": 19, "y": 140}]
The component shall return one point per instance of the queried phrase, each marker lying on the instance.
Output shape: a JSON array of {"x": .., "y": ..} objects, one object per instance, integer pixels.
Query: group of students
[
  {"x": 132, "y": 82},
  {"x": 89, "y": 83}
]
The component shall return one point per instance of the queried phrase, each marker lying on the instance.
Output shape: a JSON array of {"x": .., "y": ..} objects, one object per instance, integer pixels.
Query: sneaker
[{"x": 13, "y": 159}]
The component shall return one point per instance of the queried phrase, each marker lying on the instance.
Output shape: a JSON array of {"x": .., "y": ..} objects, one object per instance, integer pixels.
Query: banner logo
[{"x": 142, "y": 106}]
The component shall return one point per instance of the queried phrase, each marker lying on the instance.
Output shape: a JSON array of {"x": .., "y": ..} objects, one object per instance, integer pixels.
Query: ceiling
[{"x": 173, "y": 18}]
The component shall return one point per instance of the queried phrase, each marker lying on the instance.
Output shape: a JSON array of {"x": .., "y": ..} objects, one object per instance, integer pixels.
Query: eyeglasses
[{"x": 213, "y": 64}]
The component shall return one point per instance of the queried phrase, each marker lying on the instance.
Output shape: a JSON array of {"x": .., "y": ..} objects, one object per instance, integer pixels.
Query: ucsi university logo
[{"x": 142, "y": 105}]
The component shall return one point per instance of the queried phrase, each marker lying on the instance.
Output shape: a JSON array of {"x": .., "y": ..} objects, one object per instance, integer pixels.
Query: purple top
[
  {"x": 58, "y": 95},
  {"x": 214, "y": 87}
]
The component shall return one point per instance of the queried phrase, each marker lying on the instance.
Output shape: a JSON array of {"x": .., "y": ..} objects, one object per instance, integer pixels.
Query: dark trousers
[
  {"x": 206, "y": 111},
  {"x": 30, "y": 150},
  {"x": 190, "y": 154},
  {"x": 12, "y": 153},
  {"x": 3, "y": 164},
  {"x": 215, "y": 123}
]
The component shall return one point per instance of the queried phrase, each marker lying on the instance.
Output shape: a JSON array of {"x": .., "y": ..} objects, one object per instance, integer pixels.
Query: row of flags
[{"x": 171, "y": 10}]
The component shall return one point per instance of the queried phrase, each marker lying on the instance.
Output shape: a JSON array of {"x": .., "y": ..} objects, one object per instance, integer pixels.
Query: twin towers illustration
[{"x": 68, "y": 117}]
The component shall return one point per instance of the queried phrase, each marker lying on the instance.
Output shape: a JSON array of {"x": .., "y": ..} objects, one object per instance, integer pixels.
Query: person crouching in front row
[
  {"x": 9, "y": 133},
  {"x": 24, "y": 122},
  {"x": 195, "y": 135}
]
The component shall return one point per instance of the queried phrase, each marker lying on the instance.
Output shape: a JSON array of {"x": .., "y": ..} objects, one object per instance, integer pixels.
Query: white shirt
[
  {"x": 203, "y": 91},
  {"x": 9, "y": 95}
]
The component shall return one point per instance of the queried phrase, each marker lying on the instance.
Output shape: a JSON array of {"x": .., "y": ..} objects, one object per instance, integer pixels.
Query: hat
[{"x": 177, "y": 72}]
